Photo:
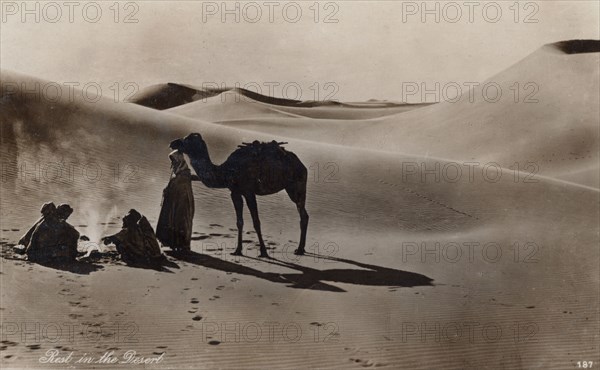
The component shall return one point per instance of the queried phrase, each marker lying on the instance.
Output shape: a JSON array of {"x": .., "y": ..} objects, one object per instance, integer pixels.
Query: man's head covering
[
  {"x": 178, "y": 162},
  {"x": 63, "y": 211},
  {"x": 134, "y": 214},
  {"x": 131, "y": 218},
  {"x": 48, "y": 209}
]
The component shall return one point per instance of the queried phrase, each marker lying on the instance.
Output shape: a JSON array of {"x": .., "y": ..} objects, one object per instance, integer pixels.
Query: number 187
[{"x": 585, "y": 364}]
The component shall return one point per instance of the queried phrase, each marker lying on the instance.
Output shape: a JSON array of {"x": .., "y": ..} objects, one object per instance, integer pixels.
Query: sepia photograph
[{"x": 304, "y": 184}]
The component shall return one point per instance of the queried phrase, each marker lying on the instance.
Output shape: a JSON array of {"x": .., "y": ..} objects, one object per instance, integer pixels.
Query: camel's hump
[
  {"x": 261, "y": 148},
  {"x": 263, "y": 144}
]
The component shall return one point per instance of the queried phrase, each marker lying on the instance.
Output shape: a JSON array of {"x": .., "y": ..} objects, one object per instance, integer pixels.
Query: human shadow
[
  {"x": 372, "y": 276},
  {"x": 75, "y": 267},
  {"x": 12, "y": 252},
  {"x": 161, "y": 264}
]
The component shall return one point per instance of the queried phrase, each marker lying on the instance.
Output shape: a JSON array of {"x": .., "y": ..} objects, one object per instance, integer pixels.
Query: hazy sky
[{"x": 373, "y": 49}]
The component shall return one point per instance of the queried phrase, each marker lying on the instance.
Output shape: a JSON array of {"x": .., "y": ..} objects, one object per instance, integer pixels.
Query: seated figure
[
  {"x": 136, "y": 242},
  {"x": 69, "y": 236},
  {"x": 51, "y": 238},
  {"x": 44, "y": 240},
  {"x": 47, "y": 208}
]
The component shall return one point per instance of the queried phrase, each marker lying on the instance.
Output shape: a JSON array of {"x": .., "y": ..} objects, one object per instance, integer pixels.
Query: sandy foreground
[{"x": 404, "y": 269}]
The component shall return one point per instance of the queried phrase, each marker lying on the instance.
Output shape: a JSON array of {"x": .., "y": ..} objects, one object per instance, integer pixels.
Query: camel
[{"x": 253, "y": 169}]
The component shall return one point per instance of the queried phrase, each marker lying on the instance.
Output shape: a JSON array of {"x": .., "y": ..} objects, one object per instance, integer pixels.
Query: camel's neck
[{"x": 206, "y": 170}]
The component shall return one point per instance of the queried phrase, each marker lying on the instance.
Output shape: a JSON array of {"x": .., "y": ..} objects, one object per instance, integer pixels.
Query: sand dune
[
  {"x": 208, "y": 101},
  {"x": 358, "y": 302},
  {"x": 228, "y": 106},
  {"x": 549, "y": 127},
  {"x": 165, "y": 96}
]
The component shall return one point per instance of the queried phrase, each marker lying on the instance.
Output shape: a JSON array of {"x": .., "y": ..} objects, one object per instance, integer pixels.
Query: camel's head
[{"x": 188, "y": 144}]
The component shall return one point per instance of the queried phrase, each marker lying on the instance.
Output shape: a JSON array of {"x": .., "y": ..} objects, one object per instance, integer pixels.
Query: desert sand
[{"x": 382, "y": 286}]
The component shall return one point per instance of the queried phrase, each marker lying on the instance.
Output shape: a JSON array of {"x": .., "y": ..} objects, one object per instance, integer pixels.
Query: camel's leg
[
  {"x": 238, "y": 203},
  {"x": 253, "y": 207},
  {"x": 297, "y": 194}
]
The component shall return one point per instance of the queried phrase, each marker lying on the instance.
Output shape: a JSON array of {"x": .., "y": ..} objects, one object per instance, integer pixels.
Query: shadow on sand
[
  {"x": 75, "y": 267},
  {"x": 114, "y": 258},
  {"x": 310, "y": 278}
]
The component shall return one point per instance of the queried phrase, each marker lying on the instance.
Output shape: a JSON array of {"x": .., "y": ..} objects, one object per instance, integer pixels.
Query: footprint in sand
[
  {"x": 75, "y": 315},
  {"x": 197, "y": 318},
  {"x": 192, "y": 311},
  {"x": 215, "y": 225},
  {"x": 194, "y": 278},
  {"x": 201, "y": 237},
  {"x": 220, "y": 287},
  {"x": 33, "y": 347},
  {"x": 194, "y": 300},
  {"x": 65, "y": 292},
  {"x": 214, "y": 342},
  {"x": 215, "y": 297},
  {"x": 215, "y": 234}
]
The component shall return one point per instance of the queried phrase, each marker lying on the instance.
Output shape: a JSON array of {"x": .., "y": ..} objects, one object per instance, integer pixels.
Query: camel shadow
[
  {"x": 369, "y": 275},
  {"x": 314, "y": 279}
]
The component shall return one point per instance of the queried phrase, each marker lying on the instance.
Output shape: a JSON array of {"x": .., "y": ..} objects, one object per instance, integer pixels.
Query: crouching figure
[
  {"x": 136, "y": 242},
  {"x": 51, "y": 238}
]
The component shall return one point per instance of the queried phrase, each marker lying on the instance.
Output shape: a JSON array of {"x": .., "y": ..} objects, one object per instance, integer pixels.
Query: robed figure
[
  {"x": 174, "y": 228},
  {"x": 136, "y": 242}
]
